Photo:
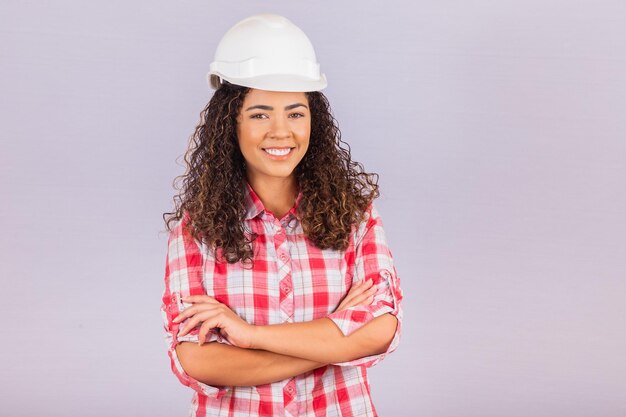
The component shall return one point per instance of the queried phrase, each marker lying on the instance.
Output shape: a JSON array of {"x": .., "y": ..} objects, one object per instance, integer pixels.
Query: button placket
[
  {"x": 289, "y": 392},
  {"x": 285, "y": 284}
]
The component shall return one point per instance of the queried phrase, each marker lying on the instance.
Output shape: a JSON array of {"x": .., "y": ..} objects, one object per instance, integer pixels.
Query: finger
[
  {"x": 348, "y": 300},
  {"x": 188, "y": 312},
  {"x": 194, "y": 309},
  {"x": 199, "y": 299},
  {"x": 358, "y": 300},
  {"x": 357, "y": 290},
  {"x": 345, "y": 302},
  {"x": 362, "y": 299},
  {"x": 196, "y": 319},
  {"x": 362, "y": 284},
  {"x": 225, "y": 336},
  {"x": 186, "y": 328},
  {"x": 182, "y": 316},
  {"x": 190, "y": 325},
  {"x": 205, "y": 329}
]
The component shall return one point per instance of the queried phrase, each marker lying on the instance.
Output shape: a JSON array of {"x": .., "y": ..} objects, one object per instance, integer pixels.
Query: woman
[{"x": 280, "y": 289}]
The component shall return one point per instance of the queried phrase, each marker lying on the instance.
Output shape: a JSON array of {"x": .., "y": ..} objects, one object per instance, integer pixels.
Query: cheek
[
  {"x": 304, "y": 132},
  {"x": 245, "y": 138}
]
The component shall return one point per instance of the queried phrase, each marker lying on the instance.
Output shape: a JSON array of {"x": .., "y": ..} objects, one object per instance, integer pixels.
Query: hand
[
  {"x": 211, "y": 313},
  {"x": 359, "y": 294}
]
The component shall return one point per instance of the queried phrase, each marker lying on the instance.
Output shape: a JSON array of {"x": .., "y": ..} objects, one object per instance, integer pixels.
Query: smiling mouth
[{"x": 278, "y": 151}]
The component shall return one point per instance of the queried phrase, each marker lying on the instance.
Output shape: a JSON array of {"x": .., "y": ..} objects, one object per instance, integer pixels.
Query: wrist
[{"x": 256, "y": 337}]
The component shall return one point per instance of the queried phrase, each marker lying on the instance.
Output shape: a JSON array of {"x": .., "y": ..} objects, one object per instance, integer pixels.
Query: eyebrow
[{"x": 264, "y": 107}]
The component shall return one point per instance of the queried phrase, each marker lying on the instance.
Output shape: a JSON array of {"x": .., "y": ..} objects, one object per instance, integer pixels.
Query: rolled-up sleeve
[
  {"x": 372, "y": 259},
  {"x": 183, "y": 277}
]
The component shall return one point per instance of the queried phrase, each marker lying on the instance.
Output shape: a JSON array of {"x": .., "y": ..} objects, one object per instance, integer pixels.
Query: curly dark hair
[{"x": 336, "y": 191}]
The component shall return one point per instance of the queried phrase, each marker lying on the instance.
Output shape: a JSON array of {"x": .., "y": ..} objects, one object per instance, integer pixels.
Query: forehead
[{"x": 255, "y": 96}]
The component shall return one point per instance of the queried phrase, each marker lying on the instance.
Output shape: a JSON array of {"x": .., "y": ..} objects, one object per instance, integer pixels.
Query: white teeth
[{"x": 278, "y": 152}]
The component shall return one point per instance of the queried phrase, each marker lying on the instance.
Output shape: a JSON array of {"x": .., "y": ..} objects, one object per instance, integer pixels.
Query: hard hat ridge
[{"x": 267, "y": 52}]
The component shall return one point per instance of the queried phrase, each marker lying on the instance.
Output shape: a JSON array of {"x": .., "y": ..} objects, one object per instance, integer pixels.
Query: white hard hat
[{"x": 267, "y": 52}]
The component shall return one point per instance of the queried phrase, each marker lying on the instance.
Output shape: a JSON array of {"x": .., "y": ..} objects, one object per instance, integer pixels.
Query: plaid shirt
[{"x": 291, "y": 281}]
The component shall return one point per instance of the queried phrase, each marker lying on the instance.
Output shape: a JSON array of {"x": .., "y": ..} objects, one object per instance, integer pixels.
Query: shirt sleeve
[
  {"x": 373, "y": 260},
  {"x": 184, "y": 268}
]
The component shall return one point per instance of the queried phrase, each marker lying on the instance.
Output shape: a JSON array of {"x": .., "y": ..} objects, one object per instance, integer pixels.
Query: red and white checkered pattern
[{"x": 291, "y": 281}]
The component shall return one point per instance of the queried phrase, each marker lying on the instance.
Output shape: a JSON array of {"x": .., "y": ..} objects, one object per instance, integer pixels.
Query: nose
[{"x": 279, "y": 128}]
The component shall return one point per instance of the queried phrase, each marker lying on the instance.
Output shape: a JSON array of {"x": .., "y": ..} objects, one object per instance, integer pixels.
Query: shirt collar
[{"x": 254, "y": 205}]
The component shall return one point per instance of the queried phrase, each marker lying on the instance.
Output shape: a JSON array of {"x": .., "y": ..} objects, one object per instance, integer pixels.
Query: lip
[{"x": 279, "y": 157}]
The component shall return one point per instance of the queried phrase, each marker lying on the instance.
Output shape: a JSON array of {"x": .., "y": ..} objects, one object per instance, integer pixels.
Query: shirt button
[
  {"x": 283, "y": 257},
  {"x": 286, "y": 290},
  {"x": 290, "y": 390}
]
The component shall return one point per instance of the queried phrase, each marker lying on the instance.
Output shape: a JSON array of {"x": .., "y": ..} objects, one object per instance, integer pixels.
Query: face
[{"x": 273, "y": 130}]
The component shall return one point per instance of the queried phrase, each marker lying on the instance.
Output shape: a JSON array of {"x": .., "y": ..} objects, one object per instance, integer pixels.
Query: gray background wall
[{"x": 497, "y": 128}]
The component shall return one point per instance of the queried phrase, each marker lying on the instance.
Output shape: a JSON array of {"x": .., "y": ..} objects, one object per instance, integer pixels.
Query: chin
[{"x": 281, "y": 174}]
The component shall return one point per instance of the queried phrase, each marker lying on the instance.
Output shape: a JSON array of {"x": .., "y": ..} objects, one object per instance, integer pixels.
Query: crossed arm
[
  {"x": 265, "y": 354},
  {"x": 287, "y": 350}
]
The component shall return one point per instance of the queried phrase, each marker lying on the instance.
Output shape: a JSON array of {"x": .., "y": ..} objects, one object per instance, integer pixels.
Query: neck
[{"x": 277, "y": 194}]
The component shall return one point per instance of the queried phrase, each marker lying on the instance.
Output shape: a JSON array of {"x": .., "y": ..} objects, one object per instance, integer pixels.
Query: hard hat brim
[{"x": 273, "y": 82}]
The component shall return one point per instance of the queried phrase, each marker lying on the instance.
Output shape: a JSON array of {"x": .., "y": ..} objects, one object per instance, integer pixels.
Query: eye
[
  {"x": 258, "y": 116},
  {"x": 296, "y": 115}
]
